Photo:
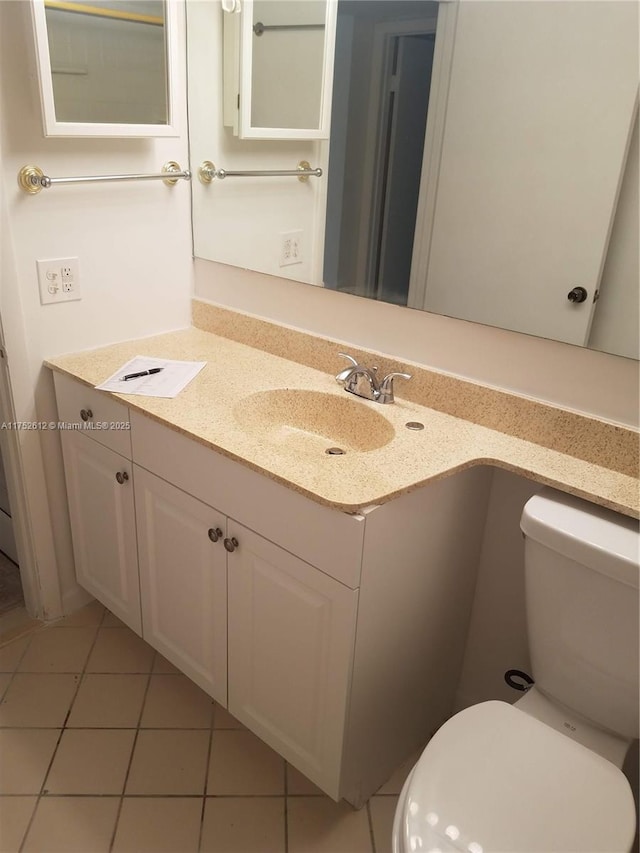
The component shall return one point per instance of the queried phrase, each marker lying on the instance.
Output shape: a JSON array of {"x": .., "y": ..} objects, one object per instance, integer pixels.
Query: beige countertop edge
[{"x": 548, "y": 467}]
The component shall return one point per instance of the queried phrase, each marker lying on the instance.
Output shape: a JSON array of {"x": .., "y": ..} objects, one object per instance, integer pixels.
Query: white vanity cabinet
[
  {"x": 291, "y": 639},
  {"x": 100, "y": 494},
  {"x": 290, "y": 628},
  {"x": 183, "y": 580},
  {"x": 337, "y": 638}
]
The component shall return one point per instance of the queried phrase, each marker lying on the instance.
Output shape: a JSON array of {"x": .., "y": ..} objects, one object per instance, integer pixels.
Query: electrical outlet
[
  {"x": 290, "y": 248},
  {"x": 59, "y": 280}
]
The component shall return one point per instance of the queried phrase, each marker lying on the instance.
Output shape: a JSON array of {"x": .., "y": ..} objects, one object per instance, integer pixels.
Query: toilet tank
[{"x": 581, "y": 575}]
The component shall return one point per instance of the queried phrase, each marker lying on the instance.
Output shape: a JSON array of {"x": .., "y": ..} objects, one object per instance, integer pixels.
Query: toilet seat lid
[{"x": 493, "y": 778}]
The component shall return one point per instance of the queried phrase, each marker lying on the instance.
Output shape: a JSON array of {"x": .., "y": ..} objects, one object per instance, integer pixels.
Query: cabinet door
[
  {"x": 183, "y": 581},
  {"x": 101, "y": 509},
  {"x": 291, "y": 636}
]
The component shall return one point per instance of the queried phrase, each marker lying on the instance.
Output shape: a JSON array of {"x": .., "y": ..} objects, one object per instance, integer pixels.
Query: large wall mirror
[
  {"x": 106, "y": 67},
  {"x": 482, "y": 164}
]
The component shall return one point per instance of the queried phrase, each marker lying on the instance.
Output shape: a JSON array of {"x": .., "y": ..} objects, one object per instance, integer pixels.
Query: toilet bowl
[
  {"x": 495, "y": 780},
  {"x": 543, "y": 776}
]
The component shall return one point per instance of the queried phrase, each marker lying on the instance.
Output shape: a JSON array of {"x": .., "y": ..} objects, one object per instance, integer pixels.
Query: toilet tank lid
[{"x": 592, "y": 535}]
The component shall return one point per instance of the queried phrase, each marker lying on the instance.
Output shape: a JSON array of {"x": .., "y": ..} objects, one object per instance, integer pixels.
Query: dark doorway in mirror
[{"x": 382, "y": 78}]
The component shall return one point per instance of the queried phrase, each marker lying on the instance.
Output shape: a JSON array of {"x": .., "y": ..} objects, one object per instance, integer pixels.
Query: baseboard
[{"x": 75, "y": 598}]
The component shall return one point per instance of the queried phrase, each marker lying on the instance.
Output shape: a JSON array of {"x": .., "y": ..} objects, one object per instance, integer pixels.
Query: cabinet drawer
[
  {"x": 328, "y": 539},
  {"x": 97, "y": 414}
]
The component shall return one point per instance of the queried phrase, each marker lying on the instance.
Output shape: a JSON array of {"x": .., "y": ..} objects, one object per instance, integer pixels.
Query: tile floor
[{"x": 105, "y": 746}]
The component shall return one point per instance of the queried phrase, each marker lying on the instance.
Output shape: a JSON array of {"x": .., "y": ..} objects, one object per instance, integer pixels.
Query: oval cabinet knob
[
  {"x": 214, "y": 533},
  {"x": 231, "y": 544},
  {"x": 86, "y": 414},
  {"x": 577, "y": 294},
  {"x": 122, "y": 477}
]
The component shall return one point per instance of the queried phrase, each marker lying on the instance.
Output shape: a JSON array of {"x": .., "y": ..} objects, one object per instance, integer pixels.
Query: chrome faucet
[{"x": 363, "y": 381}]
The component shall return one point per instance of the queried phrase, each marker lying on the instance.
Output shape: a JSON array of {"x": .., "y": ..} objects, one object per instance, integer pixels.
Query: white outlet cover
[{"x": 58, "y": 280}]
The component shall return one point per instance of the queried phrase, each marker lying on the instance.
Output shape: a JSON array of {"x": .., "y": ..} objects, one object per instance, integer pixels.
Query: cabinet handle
[
  {"x": 214, "y": 533},
  {"x": 85, "y": 414},
  {"x": 122, "y": 477},
  {"x": 231, "y": 544}
]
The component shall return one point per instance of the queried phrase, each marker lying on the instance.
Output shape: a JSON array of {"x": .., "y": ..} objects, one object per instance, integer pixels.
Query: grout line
[
  {"x": 206, "y": 772},
  {"x": 286, "y": 807},
  {"x": 133, "y": 749},
  {"x": 370, "y": 819}
]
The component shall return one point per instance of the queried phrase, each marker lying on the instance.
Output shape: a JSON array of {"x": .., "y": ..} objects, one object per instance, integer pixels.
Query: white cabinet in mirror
[
  {"x": 482, "y": 164},
  {"x": 107, "y": 68},
  {"x": 278, "y": 67}
]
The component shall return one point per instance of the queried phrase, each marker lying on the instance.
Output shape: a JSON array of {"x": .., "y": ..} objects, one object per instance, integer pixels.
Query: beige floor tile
[
  {"x": 382, "y": 811},
  {"x": 11, "y": 653},
  {"x": 222, "y": 719},
  {"x": 297, "y": 784},
  {"x": 38, "y": 699},
  {"x": 120, "y": 650},
  {"x": 91, "y": 761},
  {"x": 243, "y": 825},
  {"x": 395, "y": 782},
  {"x": 169, "y": 762},
  {"x": 162, "y": 665},
  {"x": 26, "y": 754},
  {"x": 158, "y": 825},
  {"x": 15, "y": 814},
  {"x": 72, "y": 825},
  {"x": 91, "y": 615},
  {"x": 58, "y": 650},
  {"x": 17, "y": 623},
  {"x": 109, "y": 701},
  {"x": 318, "y": 825},
  {"x": 242, "y": 764},
  {"x": 173, "y": 701}
]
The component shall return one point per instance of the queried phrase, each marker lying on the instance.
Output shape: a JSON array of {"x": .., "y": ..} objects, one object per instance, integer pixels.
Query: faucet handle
[
  {"x": 345, "y": 374},
  {"x": 386, "y": 387}
]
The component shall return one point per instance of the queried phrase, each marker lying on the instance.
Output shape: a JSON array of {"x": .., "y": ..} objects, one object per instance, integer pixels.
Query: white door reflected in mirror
[{"x": 106, "y": 68}]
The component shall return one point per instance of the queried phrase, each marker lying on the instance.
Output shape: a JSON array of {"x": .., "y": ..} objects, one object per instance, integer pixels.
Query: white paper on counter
[{"x": 174, "y": 376}]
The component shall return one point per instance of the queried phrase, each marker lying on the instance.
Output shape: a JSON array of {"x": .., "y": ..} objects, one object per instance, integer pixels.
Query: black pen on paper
[{"x": 141, "y": 373}]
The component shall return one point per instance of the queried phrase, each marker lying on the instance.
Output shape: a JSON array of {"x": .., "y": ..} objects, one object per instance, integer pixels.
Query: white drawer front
[
  {"x": 328, "y": 539},
  {"x": 96, "y": 413}
]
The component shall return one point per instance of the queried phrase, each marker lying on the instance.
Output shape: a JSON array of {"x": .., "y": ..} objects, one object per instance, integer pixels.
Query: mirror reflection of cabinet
[
  {"x": 107, "y": 67},
  {"x": 278, "y": 68}
]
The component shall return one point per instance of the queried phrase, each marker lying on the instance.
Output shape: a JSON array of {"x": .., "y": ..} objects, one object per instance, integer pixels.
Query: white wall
[
  {"x": 133, "y": 244},
  {"x": 497, "y": 638}
]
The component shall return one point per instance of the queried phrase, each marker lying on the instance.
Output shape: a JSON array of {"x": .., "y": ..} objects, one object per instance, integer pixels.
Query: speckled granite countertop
[{"x": 211, "y": 410}]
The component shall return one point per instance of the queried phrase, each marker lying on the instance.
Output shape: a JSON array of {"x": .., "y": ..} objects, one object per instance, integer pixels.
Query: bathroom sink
[{"x": 312, "y": 421}]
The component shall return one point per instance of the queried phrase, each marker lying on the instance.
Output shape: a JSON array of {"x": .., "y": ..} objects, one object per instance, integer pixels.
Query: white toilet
[{"x": 544, "y": 775}]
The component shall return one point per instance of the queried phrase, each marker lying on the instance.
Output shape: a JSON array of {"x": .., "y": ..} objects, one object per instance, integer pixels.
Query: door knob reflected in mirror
[{"x": 578, "y": 294}]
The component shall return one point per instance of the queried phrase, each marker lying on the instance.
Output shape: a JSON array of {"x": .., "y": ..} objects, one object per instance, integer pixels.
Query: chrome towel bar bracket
[
  {"x": 32, "y": 179},
  {"x": 207, "y": 172}
]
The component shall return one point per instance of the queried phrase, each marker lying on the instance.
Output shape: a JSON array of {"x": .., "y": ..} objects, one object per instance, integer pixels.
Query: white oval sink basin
[{"x": 313, "y": 420}]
